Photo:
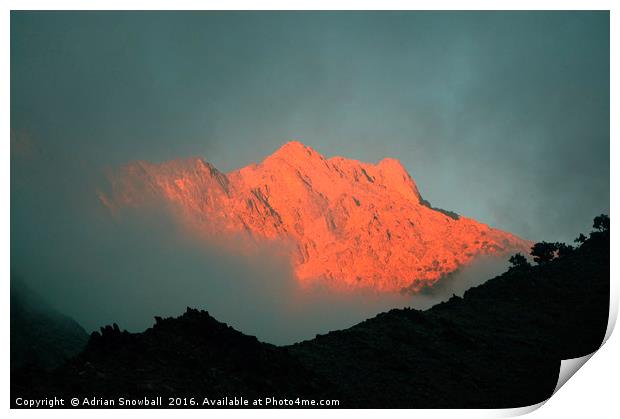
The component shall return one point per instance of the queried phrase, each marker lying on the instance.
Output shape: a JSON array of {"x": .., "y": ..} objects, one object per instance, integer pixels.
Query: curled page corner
[
  {"x": 569, "y": 367},
  {"x": 520, "y": 411}
]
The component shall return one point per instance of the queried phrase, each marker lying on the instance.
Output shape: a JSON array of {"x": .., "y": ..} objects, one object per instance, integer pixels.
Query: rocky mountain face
[
  {"x": 353, "y": 224},
  {"x": 499, "y": 346}
]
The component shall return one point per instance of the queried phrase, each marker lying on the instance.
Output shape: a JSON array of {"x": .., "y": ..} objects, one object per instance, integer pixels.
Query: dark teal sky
[{"x": 503, "y": 117}]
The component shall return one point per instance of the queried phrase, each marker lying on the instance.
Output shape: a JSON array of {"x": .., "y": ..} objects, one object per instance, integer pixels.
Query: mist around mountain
[
  {"x": 348, "y": 224},
  {"x": 498, "y": 346}
]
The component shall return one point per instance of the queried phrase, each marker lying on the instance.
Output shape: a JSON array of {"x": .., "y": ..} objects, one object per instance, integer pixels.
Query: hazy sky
[{"x": 503, "y": 117}]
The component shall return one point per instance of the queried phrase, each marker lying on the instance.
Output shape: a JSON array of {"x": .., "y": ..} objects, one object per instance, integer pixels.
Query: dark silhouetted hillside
[
  {"x": 498, "y": 346},
  {"x": 41, "y": 337}
]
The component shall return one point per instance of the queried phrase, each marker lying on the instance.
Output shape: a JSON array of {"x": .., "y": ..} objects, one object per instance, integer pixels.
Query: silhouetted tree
[
  {"x": 518, "y": 261},
  {"x": 564, "y": 249},
  {"x": 544, "y": 252},
  {"x": 601, "y": 223},
  {"x": 581, "y": 239}
]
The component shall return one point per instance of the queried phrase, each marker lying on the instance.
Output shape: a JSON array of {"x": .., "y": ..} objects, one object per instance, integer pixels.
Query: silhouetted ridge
[
  {"x": 499, "y": 346},
  {"x": 41, "y": 337}
]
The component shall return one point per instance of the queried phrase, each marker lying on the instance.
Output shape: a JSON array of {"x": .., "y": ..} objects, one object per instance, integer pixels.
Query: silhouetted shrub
[
  {"x": 581, "y": 239},
  {"x": 601, "y": 223},
  {"x": 518, "y": 261},
  {"x": 544, "y": 252},
  {"x": 564, "y": 249}
]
